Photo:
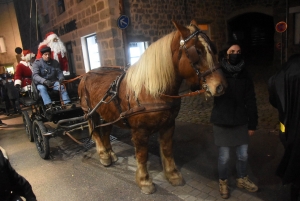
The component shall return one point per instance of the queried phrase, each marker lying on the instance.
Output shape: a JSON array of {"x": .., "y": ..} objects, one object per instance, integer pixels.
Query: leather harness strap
[
  {"x": 138, "y": 110},
  {"x": 194, "y": 93}
]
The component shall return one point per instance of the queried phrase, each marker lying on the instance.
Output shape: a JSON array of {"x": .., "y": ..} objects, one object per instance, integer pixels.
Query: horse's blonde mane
[
  {"x": 154, "y": 71},
  {"x": 209, "y": 53}
]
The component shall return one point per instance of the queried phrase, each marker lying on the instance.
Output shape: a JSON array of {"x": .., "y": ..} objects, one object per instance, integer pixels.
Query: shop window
[
  {"x": 136, "y": 49},
  {"x": 91, "y": 53},
  {"x": 61, "y": 6}
]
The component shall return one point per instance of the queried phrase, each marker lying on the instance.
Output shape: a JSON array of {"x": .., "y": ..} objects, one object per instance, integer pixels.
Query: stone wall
[
  {"x": 10, "y": 33},
  {"x": 149, "y": 21}
]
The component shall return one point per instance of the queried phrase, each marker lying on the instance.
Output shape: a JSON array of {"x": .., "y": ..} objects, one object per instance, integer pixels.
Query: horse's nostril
[{"x": 220, "y": 89}]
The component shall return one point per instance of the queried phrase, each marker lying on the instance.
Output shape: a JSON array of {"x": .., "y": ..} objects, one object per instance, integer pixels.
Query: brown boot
[
  {"x": 247, "y": 184},
  {"x": 224, "y": 190}
]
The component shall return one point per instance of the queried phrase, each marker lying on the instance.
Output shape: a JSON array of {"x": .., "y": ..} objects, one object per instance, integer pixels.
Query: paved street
[{"x": 74, "y": 172}]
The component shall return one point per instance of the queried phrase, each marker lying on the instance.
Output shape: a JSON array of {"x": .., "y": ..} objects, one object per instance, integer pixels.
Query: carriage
[
  {"x": 41, "y": 125},
  {"x": 144, "y": 98}
]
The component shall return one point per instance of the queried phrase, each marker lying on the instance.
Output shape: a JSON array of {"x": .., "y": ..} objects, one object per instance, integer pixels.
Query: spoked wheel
[
  {"x": 41, "y": 141},
  {"x": 28, "y": 125}
]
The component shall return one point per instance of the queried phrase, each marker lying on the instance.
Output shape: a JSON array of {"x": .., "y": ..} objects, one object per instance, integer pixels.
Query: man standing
[
  {"x": 13, "y": 94},
  {"x": 284, "y": 95},
  {"x": 58, "y": 51},
  {"x": 46, "y": 73},
  {"x": 23, "y": 72},
  {"x": 13, "y": 185}
]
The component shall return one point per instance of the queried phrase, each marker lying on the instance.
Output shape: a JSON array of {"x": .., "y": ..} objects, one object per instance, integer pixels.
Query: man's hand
[
  {"x": 61, "y": 80},
  {"x": 48, "y": 83}
]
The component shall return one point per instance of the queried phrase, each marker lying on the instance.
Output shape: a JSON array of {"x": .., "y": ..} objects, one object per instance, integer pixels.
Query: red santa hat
[
  {"x": 27, "y": 55},
  {"x": 50, "y": 36},
  {"x": 42, "y": 49}
]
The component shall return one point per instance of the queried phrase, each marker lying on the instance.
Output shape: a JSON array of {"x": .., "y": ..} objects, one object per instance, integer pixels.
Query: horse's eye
[{"x": 198, "y": 51}]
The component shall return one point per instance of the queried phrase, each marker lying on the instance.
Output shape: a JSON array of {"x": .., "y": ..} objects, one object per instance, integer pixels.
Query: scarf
[{"x": 231, "y": 68}]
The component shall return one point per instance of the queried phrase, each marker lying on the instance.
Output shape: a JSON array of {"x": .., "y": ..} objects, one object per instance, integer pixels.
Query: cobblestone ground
[{"x": 197, "y": 109}]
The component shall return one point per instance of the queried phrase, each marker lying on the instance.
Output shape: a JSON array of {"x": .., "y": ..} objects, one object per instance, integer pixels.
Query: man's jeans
[
  {"x": 241, "y": 163},
  {"x": 45, "y": 96}
]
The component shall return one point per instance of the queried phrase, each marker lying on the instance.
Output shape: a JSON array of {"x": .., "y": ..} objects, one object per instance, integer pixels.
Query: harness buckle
[{"x": 181, "y": 42}]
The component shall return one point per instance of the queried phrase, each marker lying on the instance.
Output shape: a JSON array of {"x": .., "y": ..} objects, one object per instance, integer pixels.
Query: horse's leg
[
  {"x": 165, "y": 140},
  {"x": 140, "y": 140},
  {"x": 102, "y": 138}
]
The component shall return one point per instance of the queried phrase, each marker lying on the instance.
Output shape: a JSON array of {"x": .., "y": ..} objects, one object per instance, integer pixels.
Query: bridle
[{"x": 194, "y": 56}]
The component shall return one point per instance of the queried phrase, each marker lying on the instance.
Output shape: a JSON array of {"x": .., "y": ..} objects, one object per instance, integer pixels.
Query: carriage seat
[
  {"x": 27, "y": 101},
  {"x": 36, "y": 96}
]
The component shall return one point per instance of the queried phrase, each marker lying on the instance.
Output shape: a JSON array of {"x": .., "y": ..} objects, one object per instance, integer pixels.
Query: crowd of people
[{"x": 51, "y": 69}]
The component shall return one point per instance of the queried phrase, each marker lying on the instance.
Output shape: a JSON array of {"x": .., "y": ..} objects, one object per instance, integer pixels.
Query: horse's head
[{"x": 194, "y": 54}]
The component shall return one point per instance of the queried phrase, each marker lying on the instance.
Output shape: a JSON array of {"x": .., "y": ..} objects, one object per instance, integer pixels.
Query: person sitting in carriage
[
  {"x": 46, "y": 73},
  {"x": 23, "y": 72},
  {"x": 58, "y": 51}
]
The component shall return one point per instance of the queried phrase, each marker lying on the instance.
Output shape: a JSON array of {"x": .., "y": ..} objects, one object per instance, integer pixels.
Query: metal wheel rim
[
  {"x": 39, "y": 141},
  {"x": 26, "y": 127}
]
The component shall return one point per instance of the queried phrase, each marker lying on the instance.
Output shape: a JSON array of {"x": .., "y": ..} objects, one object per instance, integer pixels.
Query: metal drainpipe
[{"x": 286, "y": 33}]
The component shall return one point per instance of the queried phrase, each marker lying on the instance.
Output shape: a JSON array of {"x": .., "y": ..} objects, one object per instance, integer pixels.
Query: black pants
[
  {"x": 295, "y": 191},
  {"x": 15, "y": 104}
]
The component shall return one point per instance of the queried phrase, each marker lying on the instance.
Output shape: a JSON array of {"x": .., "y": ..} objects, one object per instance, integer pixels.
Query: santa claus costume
[
  {"x": 23, "y": 71},
  {"x": 58, "y": 50}
]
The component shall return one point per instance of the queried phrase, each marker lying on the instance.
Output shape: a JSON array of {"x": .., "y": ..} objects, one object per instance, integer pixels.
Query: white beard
[{"x": 57, "y": 47}]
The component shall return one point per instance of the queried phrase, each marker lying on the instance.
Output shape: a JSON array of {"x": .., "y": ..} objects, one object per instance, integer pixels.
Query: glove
[
  {"x": 48, "y": 83},
  {"x": 18, "y": 87},
  {"x": 61, "y": 80}
]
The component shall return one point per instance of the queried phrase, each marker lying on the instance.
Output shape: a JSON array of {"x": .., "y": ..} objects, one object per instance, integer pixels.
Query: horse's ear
[
  {"x": 185, "y": 32},
  {"x": 194, "y": 22}
]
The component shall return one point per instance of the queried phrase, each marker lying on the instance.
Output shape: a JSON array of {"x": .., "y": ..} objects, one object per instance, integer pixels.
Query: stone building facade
[{"x": 150, "y": 20}]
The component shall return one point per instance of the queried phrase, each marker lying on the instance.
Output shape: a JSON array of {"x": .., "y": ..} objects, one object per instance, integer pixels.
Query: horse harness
[
  {"x": 194, "y": 57},
  {"x": 113, "y": 94}
]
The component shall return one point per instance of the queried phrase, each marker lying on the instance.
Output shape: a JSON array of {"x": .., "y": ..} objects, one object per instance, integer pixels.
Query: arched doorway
[{"x": 255, "y": 31}]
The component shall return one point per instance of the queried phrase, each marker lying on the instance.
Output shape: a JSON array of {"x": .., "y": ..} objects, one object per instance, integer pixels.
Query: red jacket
[{"x": 23, "y": 75}]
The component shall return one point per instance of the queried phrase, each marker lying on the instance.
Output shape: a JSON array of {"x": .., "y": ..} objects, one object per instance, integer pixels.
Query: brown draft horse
[{"x": 137, "y": 98}]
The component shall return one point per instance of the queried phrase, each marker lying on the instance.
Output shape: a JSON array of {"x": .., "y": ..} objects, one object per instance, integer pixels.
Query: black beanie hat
[{"x": 45, "y": 49}]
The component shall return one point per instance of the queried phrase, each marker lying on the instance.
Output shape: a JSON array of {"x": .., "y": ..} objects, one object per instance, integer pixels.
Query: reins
[{"x": 194, "y": 93}]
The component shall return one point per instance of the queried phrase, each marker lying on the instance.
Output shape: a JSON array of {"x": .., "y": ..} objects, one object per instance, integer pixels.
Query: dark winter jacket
[
  {"x": 11, "y": 90},
  {"x": 238, "y": 105},
  {"x": 42, "y": 71},
  {"x": 284, "y": 94},
  {"x": 10, "y": 180}
]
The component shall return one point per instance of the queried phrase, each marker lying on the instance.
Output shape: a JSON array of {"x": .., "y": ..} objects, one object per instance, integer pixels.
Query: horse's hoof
[
  {"x": 176, "y": 182},
  {"x": 105, "y": 162},
  {"x": 149, "y": 189},
  {"x": 113, "y": 157}
]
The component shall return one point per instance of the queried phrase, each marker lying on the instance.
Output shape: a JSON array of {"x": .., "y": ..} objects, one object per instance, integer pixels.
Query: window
[
  {"x": 61, "y": 6},
  {"x": 136, "y": 49},
  {"x": 90, "y": 52}
]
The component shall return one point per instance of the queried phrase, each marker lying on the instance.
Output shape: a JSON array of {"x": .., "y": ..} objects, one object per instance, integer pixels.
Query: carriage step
[{"x": 89, "y": 143}]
